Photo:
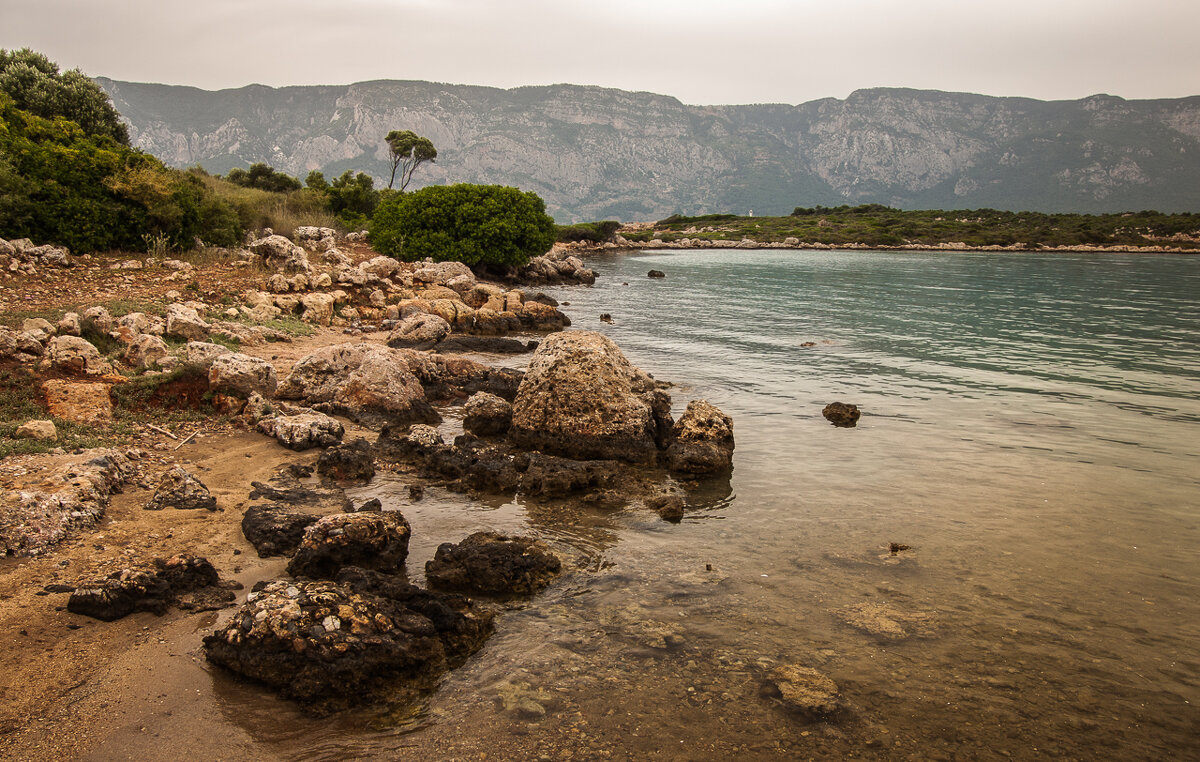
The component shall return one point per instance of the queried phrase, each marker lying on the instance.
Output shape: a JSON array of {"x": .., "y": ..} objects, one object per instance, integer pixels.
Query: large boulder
[
  {"x": 365, "y": 382},
  {"x": 317, "y": 308},
  {"x": 241, "y": 375},
  {"x": 202, "y": 353},
  {"x": 338, "y": 643},
  {"x": 279, "y": 253},
  {"x": 701, "y": 441},
  {"x": 493, "y": 564},
  {"x": 148, "y": 587},
  {"x": 420, "y": 331},
  {"x": 377, "y": 541},
  {"x": 71, "y": 354},
  {"x": 582, "y": 398},
  {"x": 178, "y": 488},
  {"x": 185, "y": 323},
  {"x": 275, "y": 529}
]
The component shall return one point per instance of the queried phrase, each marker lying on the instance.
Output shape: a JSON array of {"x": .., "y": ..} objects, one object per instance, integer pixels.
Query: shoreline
[{"x": 748, "y": 244}]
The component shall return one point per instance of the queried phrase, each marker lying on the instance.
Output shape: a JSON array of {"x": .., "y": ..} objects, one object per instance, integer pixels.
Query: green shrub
[
  {"x": 594, "y": 232},
  {"x": 263, "y": 177},
  {"x": 473, "y": 224}
]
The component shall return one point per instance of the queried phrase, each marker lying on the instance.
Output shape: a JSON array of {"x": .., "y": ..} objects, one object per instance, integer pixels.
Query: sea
[{"x": 1000, "y": 561}]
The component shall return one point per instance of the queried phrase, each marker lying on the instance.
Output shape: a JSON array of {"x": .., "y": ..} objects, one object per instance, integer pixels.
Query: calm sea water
[{"x": 1031, "y": 428}]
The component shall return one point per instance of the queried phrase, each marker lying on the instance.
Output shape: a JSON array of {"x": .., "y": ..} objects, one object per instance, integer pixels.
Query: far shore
[{"x": 703, "y": 243}]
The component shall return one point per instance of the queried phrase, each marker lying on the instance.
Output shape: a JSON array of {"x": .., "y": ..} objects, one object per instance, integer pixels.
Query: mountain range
[{"x": 597, "y": 153}]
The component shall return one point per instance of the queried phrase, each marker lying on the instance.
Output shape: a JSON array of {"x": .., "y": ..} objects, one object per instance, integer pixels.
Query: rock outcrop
[
  {"x": 150, "y": 587},
  {"x": 179, "y": 489},
  {"x": 493, "y": 564},
  {"x": 375, "y": 540}
]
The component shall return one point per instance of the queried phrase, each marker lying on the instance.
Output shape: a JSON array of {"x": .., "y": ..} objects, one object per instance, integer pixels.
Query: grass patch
[
  {"x": 20, "y": 402},
  {"x": 289, "y": 324}
]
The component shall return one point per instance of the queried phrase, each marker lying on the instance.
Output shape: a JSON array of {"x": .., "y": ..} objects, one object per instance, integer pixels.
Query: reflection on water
[{"x": 1030, "y": 430}]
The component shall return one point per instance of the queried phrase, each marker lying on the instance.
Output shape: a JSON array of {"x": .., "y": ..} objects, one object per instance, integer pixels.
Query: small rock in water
[
  {"x": 806, "y": 691},
  {"x": 606, "y": 318},
  {"x": 415, "y": 492},
  {"x": 842, "y": 415},
  {"x": 896, "y": 547},
  {"x": 656, "y": 274}
]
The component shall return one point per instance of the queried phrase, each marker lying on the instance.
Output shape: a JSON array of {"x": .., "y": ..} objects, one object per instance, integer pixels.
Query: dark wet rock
[
  {"x": 550, "y": 475},
  {"x": 178, "y": 488},
  {"x": 668, "y": 505},
  {"x": 656, "y": 274},
  {"x": 494, "y": 564},
  {"x": 416, "y": 492},
  {"x": 374, "y": 505},
  {"x": 303, "y": 431},
  {"x": 805, "y": 691},
  {"x": 275, "y": 529},
  {"x": 377, "y": 541},
  {"x": 285, "y": 487},
  {"x": 841, "y": 414},
  {"x": 701, "y": 441},
  {"x": 606, "y": 317},
  {"x": 349, "y": 462},
  {"x": 151, "y": 587},
  {"x": 581, "y": 398},
  {"x": 888, "y": 623},
  {"x": 363, "y": 638},
  {"x": 487, "y": 415},
  {"x": 487, "y": 344}
]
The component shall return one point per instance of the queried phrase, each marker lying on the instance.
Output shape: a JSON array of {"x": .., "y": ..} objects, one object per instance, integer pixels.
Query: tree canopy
[
  {"x": 35, "y": 85},
  {"x": 408, "y": 151},
  {"x": 473, "y": 224},
  {"x": 264, "y": 177}
]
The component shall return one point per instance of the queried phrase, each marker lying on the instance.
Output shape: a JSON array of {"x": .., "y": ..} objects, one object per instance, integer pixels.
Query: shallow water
[{"x": 1031, "y": 428}]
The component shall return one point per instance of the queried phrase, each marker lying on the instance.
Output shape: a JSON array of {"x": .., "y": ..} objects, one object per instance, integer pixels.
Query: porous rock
[
  {"x": 241, "y": 375},
  {"x": 275, "y": 529},
  {"x": 701, "y": 441},
  {"x": 281, "y": 254},
  {"x": 180, "y": 489},
  {"x": 491, "y": 563},
  {"x": 841, "y": 414},
  {"x": 352, "y": 461},
  {"x": 420, "y": 331},
  {"x": 303, "y": 431},
  {"x": 71, "y": 354},
  {"x": 40, "y": 430},
  {"x": 487, "y": 415},
  {"x": 377, "y": 541},
  {"x": 185, "y": 323},
  {"x": 150, "y": 587},
  {"x": 147, "y": 350},
  {"x": 806, "y": 691}
]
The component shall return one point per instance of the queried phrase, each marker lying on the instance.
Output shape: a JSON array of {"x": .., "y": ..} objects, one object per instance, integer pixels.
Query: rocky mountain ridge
[{"x": 596, "y": 153}]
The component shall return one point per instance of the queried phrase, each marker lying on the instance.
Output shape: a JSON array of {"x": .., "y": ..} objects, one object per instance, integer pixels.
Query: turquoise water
[{"x": 1031, "y": 428}]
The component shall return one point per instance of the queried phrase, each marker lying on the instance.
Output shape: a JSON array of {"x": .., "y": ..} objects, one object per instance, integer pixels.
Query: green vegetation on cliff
[{"x": 878, "y": 225}]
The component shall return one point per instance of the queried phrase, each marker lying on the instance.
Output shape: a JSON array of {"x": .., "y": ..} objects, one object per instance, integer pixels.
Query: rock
[
  {"x": 38, "y": 328},
  {"x": 493, "y": 564},
  {"x": 606, "y": 318},
  {"x": 485, "y": 344},
  {"x": 441, "y": 272},
  {"x": 668, "y": 505},
  {"x": 275, "y": 529},
  {"x": 285, "y": 487},
  {"x": 202, "y": 353},
  {"x": 317, "y": 308},
  {"x": 340, "y": 643},
  {"x": 841, "y": 414},
  {"x": 368, "y": 383},
  {"x": 304, "y": 431},
  {"x": 380, "y": 267},
  {"x": 306, "y": 234},
  {"x": 352, "y": 461},
  {"x": 420, "y": 331},
  {"x": 454, "y": 312},
  {"x": 97, "y": 320},
  {"x": 701, "y": 441},
  {"x": 241, "y": 375},
  {"x": 487, "y": 415},
  {"x": 135, "y": 324},
  {"x": 888, "y": 623},
  {"x": 147, "y": 351},
  {"x": 462, "y": 284},
  {"x": 40, "y": 430},
  {"x": 279, "y": 253},
  {"x": 377, "y": 541},
  {"x": 806, "y": 691},
  {"x": 185, "y": 323},
  {"x": 87, "y": 403},
  {"x": 19, "y": 346},
  {"x": 180, "y": 489},
  {"x": 70, "y": 324},
  {"x": 656, "y": 274},
  {"x": 279, "y": 284},
  {"x": 151, "y": 587},
  {"x": 71, "y": 354},
  {"x": 581, "y": 398}
]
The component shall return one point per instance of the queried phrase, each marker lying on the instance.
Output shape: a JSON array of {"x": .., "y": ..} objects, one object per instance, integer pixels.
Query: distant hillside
[{"x": 596, "y": 153}]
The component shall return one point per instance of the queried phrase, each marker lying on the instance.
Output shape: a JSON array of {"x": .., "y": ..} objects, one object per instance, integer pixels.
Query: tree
[
  {"x": 35, "y": 85},
  {"x": 472, "y": 224},
  {"x": 264, "y": 177},
  {"x": 408, "y": 151}
]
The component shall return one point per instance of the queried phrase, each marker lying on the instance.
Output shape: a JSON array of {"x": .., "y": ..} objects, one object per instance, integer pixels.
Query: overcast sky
[{"x": 700, "y": 51}]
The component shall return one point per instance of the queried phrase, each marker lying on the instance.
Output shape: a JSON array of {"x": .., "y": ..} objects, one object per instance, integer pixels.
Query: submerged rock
[
  {"x": 152, "y": 587},
  {"x": 362, "y": 638},
  {"x": 806, "y": 691},
  {"x": 888, "y": 623},
  {"x": 377, "y": 541},
  {"x": 178, "y": 488},
  {"x": 491, "y": 563},
  {"x": 842, "y": 415}
]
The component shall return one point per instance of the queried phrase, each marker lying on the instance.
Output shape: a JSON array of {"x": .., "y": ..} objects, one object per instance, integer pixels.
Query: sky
[{"x": 703, "y": 52}]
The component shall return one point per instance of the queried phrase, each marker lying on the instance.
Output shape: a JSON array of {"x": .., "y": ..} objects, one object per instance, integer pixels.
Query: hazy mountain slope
[{"x": 593, "y": 152}]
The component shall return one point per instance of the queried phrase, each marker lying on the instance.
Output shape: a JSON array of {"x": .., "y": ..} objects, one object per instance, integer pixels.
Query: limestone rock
[
  {"x": 806, "y": 691},
  {"x": 150, "y": 587},
  {"x": 87, "y": 403},
  {"x": 377, "y": 541},
  {"x": 888, "y": 623},
  {"x": 275, "y": 529},
  {"x": 582, "y": 398},
  {"x": 146, "y": 351},
  {"x": 38, "y": 328},
  {"x": 491, "y": 563},
  {"x": 317, "y": 308},
  {"x": 421, "y": 331},
  {"x": 441, "y": 272},
  {"x": 279, "y": 253},
  {"x": 202, "y": 354},
  {"x": 70, "y": 324},
  {"x": 97, "y": 319},
  {"x": 303, "y": 431},
  {"x": 382, "y": 267},
  {"x": 185, "y": 323},
  {"x": 701, "y": 441},
  {"x": 241, "y": 375},
  {"x": 487, "y": 415},
  {"x": 40, "y": 430},
  {"x": 71, "y": 354},
  {"x": 178, "y": 488},
  {"x": 352, "y": 461}
]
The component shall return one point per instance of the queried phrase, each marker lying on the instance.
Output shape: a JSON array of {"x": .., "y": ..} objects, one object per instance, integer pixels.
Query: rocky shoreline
[{"x": 623, "y": 244}]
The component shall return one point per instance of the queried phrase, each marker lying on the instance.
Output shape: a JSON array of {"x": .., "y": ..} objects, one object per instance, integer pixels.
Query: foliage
[
  {"x": 879, "y": 225},
  {"x": 254, "y": 208},
  {"x": 353, "y": 198},
  {"x": 593, "y": 232},
  {"x": 35, "y": 85},
  {"x": 473, "y": 224},
  {"x": 263, "y": 177},
  {"x": 408, "y": 150}
]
